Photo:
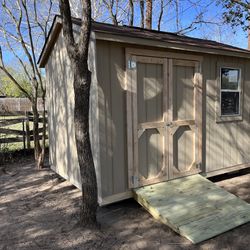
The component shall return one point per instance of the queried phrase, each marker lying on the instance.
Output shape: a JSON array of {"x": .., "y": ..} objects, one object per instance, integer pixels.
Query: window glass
[
  {"x": 230, "y": 91},
  {"x": 229, "y": 103},
  {"x": 230, "y": 78}
]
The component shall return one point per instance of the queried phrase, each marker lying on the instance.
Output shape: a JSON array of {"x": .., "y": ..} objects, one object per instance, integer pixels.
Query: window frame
[{"x": 230, "y": 117}]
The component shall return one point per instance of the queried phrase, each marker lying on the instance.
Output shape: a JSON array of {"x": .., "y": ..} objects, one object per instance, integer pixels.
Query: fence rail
[{"x": 22, "y": 131}]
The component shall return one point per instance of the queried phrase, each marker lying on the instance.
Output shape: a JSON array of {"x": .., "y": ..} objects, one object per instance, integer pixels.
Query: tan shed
[{"x": 163, "y": 106}]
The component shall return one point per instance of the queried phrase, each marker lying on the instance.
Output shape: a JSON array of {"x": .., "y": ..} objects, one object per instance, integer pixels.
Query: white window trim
[{"x": 233, "y": 117}]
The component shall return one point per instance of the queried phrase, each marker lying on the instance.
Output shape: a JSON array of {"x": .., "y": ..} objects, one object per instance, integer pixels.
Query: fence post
[
  {"x": 27, "y": 129},
  {"x": 24, "y": 135}
]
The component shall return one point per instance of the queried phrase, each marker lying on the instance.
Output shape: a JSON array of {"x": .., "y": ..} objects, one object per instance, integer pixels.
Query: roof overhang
[
  {"x": 50, "y": 41},
  {"x": 127, "y": 38},
  {"x": 168, "y": 45}
]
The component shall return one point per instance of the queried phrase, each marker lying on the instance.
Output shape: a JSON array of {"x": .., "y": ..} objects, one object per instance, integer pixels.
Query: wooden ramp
[{"x": 194, "y": 207}]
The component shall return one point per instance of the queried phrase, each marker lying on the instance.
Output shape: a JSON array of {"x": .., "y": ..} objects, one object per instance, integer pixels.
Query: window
[{"x": 230, "y": 91}]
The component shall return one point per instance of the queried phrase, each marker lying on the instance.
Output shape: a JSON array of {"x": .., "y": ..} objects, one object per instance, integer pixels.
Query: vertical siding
[
  {"x": 112, "y": 123},
  {"x": 60, "y": 103},
  {"x": 246, "y": 114},
  {"x": 226, "y": 142},
  {"x": 63, "y": 156}
]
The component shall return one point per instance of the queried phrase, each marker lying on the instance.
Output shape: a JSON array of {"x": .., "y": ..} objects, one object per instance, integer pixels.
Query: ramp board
[{"x": 194, "y": 207}]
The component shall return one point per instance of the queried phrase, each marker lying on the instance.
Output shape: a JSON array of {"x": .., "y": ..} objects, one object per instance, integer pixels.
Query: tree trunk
[
  {"x": 82, "y": 80},
  {"x": 149, "y": 6},
  {"x": 142, "y": 12},
  {"x": 44, "y": 123},
  {"x": 177, "y": 15},
  {"x": 131, "y": 17},
  {"x": 37, "y": 147},
  {"x": 160, "y": 15},
  {"x": 78, "y": 55}
]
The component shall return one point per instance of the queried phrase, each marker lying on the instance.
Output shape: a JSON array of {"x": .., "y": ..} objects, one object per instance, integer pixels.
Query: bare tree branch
[
  {"x": 19, "y": 59},
  {"x": 19, "y": 33},
  {"x": 23, "y": 28},
  {"x": 5, "y": 70},
  {"x": 193, "y": 25},
  {"x": 33, "y": 54},
  {"x": 110, "y": 5}
]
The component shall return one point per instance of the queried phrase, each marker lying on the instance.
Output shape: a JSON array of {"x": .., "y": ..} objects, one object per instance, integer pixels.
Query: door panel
[
  {"x": 148, "y": 107},
  {"x": 184, "y": 142},
  {"x": 151, "y": 154},
  {"x": 183, "y": 148},
  {"x": 150, "y": 85},
  {"x": 183, "y": 94},
  {"x": 149, "y": 92}
]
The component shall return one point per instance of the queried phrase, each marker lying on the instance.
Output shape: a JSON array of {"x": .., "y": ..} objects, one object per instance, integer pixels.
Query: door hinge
[
  {"x": 131, "y": 64},
  {"x": 198, "y": 166},
  {"x": 134, "y": 181}
]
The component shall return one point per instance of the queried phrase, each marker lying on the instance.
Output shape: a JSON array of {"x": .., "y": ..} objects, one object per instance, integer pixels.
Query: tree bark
[
  {"x": 44, "y": 130},
  {"x": 149, "y": 7},
  {"x": 142, "y": 12},
  {"x": 131, "y": 17},
  {"x": 177, "y": 15},
  {"x": 160, "y": 16},
  {"x": 82, "y": 79},
  {"x": 78, "y": 55},
  {"x": 39, "y": 157}
]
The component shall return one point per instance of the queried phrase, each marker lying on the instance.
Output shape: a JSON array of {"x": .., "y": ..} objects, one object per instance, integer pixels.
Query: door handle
[{"x": 169, "y": 124}]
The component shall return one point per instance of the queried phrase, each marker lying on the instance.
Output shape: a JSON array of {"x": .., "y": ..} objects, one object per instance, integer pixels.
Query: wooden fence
[
  {"x": 22, "y": 131},
  {"x": 18, "y": 104}
]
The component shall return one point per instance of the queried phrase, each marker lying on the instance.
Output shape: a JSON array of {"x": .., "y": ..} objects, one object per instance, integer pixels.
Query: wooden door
[
  {"x": 185, "y": 111},
  {"x": 163, "y": 119},
  {"x": 147, "y": 103}
]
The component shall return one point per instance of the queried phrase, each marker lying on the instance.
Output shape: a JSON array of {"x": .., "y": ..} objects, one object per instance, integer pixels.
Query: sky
[
  {"x": 213, "y": 30},
  {"x": 188, "y": 10}
]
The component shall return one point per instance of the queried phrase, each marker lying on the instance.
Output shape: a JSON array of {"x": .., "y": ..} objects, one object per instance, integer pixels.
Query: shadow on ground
[{"x": 38, "y": 210}]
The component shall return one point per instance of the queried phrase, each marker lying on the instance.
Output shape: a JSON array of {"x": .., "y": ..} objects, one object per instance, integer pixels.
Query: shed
[{"x": 162, "y": 106}]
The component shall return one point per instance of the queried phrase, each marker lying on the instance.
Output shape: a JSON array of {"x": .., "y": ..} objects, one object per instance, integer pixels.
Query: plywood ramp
[{"x": 194, "y": 207}]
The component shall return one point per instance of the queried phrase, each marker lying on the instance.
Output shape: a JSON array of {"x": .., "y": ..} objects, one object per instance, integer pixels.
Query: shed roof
[{"x": 127, "y": 34}]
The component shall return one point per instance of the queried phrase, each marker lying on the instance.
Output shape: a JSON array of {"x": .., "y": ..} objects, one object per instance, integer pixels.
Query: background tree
[
  {"x": 149, "y": 8},
  {"x": 9, "y": 89},
  {"x": 78, "y": 55},
  {"x": 131, "y": 12},
  {"x": 236, "y": 12},
  {"x": 142, "y": 13},
  {"x": 181, "y": 16},
  {"x": 23, "y": 28},
  {"x": 160, "y": 15}
]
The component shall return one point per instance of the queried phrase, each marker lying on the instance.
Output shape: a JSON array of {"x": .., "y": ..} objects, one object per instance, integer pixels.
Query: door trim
[
  {"x": 162, "y": 54},
  {"x": 168, "y": 59}
]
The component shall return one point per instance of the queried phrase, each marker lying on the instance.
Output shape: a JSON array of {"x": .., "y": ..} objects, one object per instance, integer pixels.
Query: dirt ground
[{"x": 38, "y": 210}]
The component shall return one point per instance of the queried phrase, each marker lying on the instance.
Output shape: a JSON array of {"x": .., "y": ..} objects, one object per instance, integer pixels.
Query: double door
[{"x": 164, "y": 112}]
